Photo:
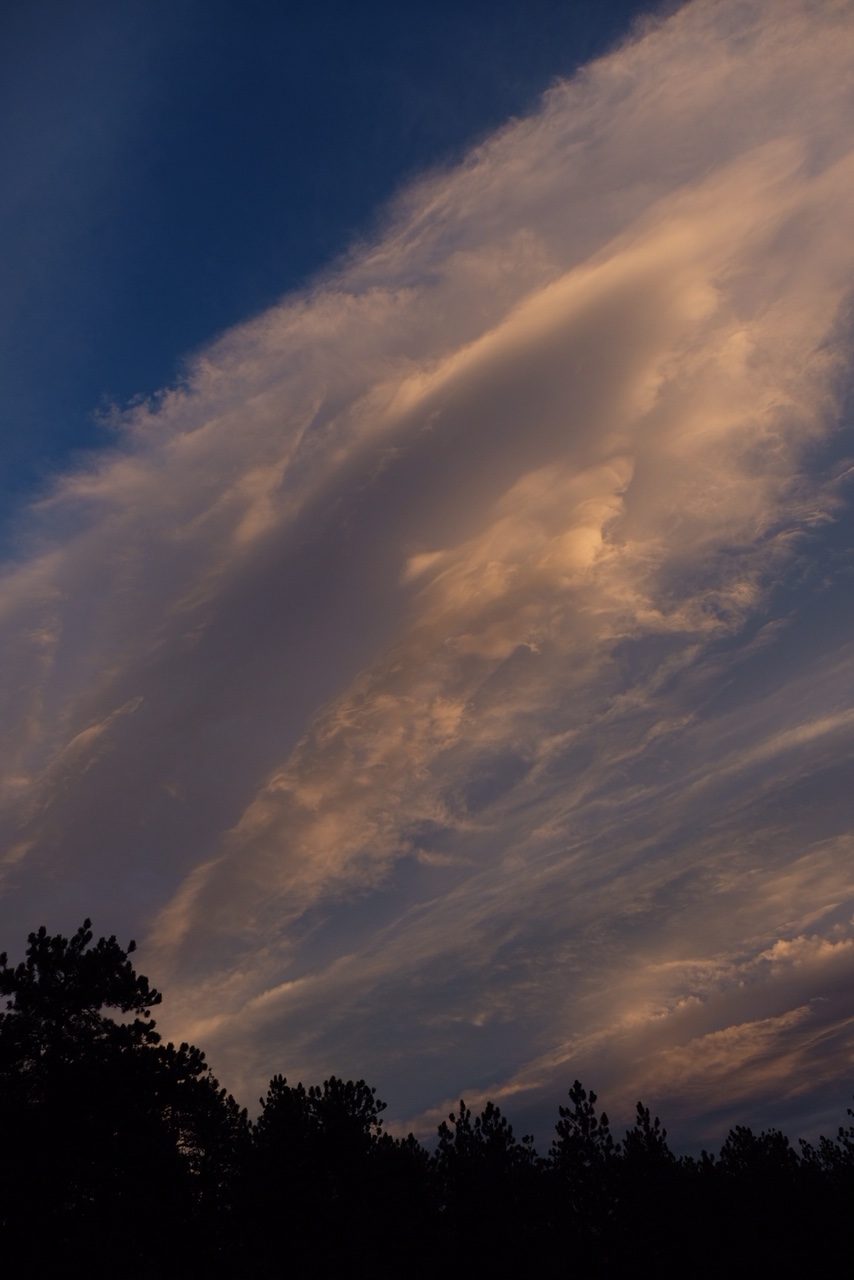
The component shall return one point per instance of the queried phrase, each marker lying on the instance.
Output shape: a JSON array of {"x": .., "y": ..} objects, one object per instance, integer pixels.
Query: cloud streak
[{"x": 451, "y": 677}]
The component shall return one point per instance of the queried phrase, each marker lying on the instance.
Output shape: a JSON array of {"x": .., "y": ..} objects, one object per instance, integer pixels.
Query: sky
[
  {"x": 426, "y": 602},
  {"x": 173, "y": 166}
]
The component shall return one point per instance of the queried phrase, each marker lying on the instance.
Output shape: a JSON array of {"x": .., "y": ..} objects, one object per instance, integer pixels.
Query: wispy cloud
[{"x": 452, "y": 677}]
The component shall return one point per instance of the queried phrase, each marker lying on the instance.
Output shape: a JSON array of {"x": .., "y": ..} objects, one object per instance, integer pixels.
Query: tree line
[{"x": 122, "y": 1156}]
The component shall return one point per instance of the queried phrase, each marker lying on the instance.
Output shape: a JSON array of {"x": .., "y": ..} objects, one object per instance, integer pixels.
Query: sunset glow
[{"x": 451, "y": 681}]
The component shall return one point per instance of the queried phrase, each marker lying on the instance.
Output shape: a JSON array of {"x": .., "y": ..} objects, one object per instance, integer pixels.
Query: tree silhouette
[
  {"x": 118, "y": 1148},
  {"x": 583, "y": 1160},
  {"x": 486, "y": 1186},
  {"x": 57, "y": 993},
  {"x": 653, "y": 1195},
  {"x": 121, "y": 1155},
  {"x": 645, "y": 1143},
  {"x": 320, "y": 1157},
  {"x": 583, "y": 1143}
]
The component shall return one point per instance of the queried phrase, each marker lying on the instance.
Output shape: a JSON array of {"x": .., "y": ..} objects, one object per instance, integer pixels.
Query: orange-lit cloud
[{"x": 452, "y": 679}]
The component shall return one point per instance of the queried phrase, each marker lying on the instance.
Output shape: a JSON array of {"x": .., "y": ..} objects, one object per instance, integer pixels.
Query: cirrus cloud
[{"x": 451, "y": 678}]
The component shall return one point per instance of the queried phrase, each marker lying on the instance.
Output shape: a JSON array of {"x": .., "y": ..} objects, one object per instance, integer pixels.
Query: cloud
[{"x": 449, "y": 679}]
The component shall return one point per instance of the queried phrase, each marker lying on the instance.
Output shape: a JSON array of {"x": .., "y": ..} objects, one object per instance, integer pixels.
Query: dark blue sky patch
[{"x": 169, "y": 170}]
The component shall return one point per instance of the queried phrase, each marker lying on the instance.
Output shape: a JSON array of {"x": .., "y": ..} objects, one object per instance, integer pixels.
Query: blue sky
[
  {"x": 170, "y": 169},
  {"x": 442, "y": 663}
]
